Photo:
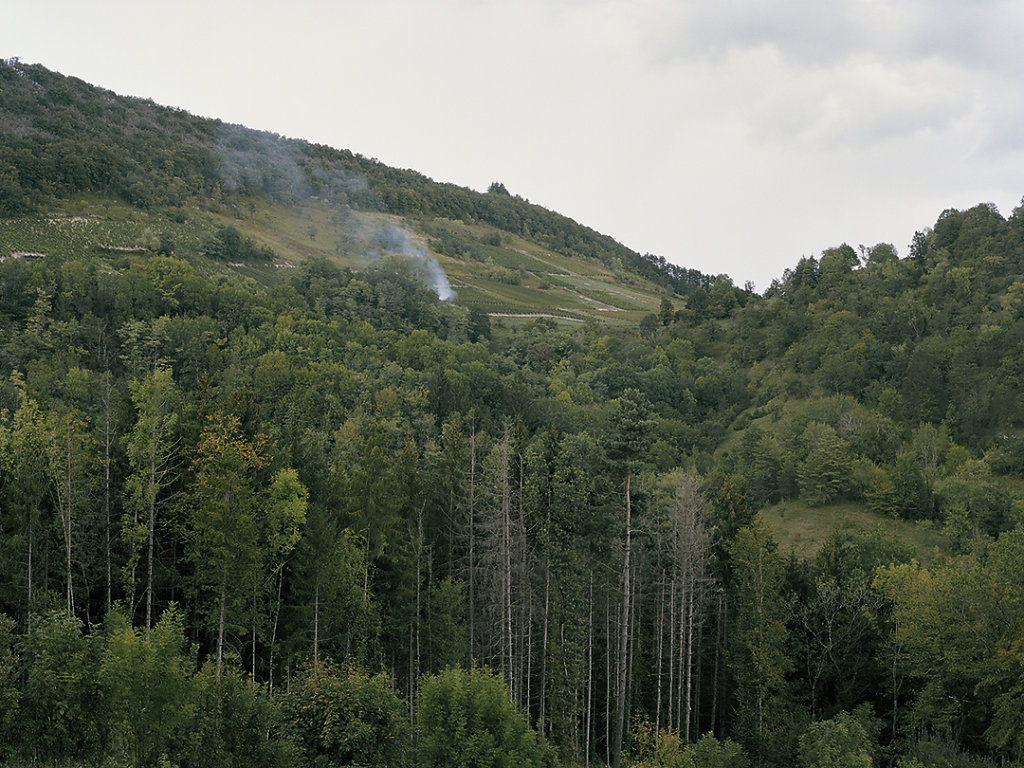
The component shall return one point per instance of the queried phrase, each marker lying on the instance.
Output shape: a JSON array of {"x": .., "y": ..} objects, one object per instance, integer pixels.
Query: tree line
[{"x": 264, "y": 493}]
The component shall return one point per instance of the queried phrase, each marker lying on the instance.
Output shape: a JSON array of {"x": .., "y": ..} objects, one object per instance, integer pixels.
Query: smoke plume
[{"x": 424, "y": 267}]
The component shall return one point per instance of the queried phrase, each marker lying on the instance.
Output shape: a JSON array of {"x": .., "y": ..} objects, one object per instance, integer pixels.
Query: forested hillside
[{"x": 267, "y": 499}]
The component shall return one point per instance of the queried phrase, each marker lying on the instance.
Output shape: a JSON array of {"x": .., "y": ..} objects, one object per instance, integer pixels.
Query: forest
[{"x": 273, "y": 509}]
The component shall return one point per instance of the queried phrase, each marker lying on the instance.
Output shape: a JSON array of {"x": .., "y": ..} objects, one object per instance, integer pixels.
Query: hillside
[
  {"x": 67, "y": 142},
  {"x": 268, "y": 492}
]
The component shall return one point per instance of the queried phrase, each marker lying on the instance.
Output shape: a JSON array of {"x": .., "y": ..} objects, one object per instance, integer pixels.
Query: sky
[{"x": 729, "y": 136}]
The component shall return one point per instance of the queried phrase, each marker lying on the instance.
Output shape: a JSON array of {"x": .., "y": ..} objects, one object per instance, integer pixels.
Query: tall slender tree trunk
[
  {"x": 634, "y": 635},
  {"x": 590, "y": 672},
  {"x": 134, "y": 564},
  {"x": 671, "y": 723},
  {"x": 544, "y": 648},
  {"x": 689, "y": 663},
  {"x": 681, "y": 656},
  {"x": 220, "y": 628},
  {"x": 414, "y": 626},
  {"x": 608, "y": 680},
  {"x": 273, "y": 632},
  {"x": 366, "y": 570},
  {"x": 527, "y": 681},
  {"x": 316, "y": 624},
  {"x": 149, "y": 559},
  {"x": 66, "y": 509},
  {"x": 28, "y": 604},
  {"x": 525, "y": 597},
  {"x": 620, "y": 700},
  {"x": 719, "y": 640},
  {"x": 506, "y": 555},
  {"x": 107, "y": 439},
  {"x": 660, "y": 654},
  {"x": 255, "y": 613},
  {"x": 472, "y": 544}
]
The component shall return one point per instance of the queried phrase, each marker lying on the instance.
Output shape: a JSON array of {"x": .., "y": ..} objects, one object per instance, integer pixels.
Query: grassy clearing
[
  {"x": 549, "y": 282},
  {"x": 802, "y": 529}
]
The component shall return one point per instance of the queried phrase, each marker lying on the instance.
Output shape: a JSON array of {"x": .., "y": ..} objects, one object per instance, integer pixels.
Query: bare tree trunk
[
  {"x": 607, "y": 678},
  {"x": 107, "y": 438},
  {"x": 273, "y": 632},
  {"x": 681, "y": 655},
  {"x": 149, "y": 559},
  {"x": 544, "y": 648},
  {"x": 66, "y": 519},
  {"x": 472, "y": 543},
  {"x": 590, "y": 673},
  {"x": 672, "y": 653},
  {"x": 717, "y": 693},
  {"x": 689, "y": 664},
  {"x": 620, "y": 700},
  {"x": 660, "y": 652},
  {"x": 634, "y": 635},
  {"x": 525, "y": 611},
  {"x": 528, "y": 698},
  {"x": 506, "y": 554},
  {"x": 691, "y": 543}
]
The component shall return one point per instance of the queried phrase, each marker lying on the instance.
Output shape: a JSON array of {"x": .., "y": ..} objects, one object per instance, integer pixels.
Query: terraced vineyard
[{"x": 515, "y": 280}]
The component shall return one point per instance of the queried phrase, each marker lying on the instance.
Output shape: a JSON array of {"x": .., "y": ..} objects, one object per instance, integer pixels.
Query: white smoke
[
  {"x": 439, "y": 280},
  {"x": 424, "y": 267}
]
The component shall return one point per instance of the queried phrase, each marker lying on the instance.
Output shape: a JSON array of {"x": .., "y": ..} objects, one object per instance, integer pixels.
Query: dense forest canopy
[{"x": 261, "y": 507}]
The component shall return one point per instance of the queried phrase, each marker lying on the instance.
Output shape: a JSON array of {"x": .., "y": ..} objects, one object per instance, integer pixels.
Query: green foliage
[
  {"x": 465, "y": 720},
  {"x": 60, "y": 717},
  {"x": 630, "y": 431},
  {"x": 346, "y": 717},
  {"x": 446, "y": 624},
  {"x": 901, "y": 492},
  {"x": 148, "y": 683},
  {"x": 759, "y": 660},
  {"x": 824, "y": 474},
  {"x": 931, "y": 751},
  {"x": 234, "y": 723},
  {"x": 227, "y": 244},
  {"x": 841, "y": 742},
  {"x": 663, "y": 749},
  {"x": 973, "y": 504},
  {"x": 709, "y": 752},
  {"x": 10, "y": 688}
]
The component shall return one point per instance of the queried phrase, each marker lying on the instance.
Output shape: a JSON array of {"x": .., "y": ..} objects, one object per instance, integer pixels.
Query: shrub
[
  {"x": 346, "y": 717},
  {"x": 465, "y": 720}
]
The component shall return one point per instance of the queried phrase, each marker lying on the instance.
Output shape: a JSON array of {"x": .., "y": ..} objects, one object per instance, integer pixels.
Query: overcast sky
[{"x": 729, "y": 136}]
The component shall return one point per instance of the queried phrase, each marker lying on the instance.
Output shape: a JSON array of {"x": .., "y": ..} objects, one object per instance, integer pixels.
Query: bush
[
  {"x": 465, "y": 720},
  {"x": 63, "y": 707},
  {"x": 346, "y": 717},
  {"x": 149, "y": 687},
  {"x": 234, "y": 723},
  {"x": 841, "y": 742},
  {"x": 664, "y": 749},
  {"x": 940, "y": 752}
]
